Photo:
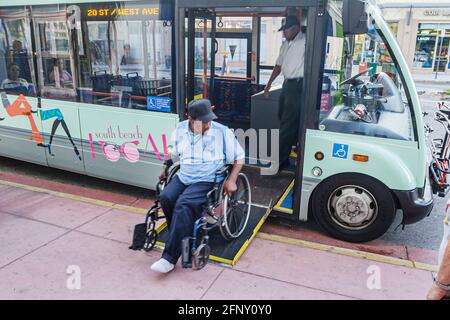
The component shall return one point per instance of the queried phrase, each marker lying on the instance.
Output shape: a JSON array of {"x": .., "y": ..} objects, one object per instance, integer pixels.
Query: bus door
[
  {"x": 57, "y": 80},
  {"x": 20, "y": 127},
  {"x": 237, "y": 92},
  {"x": 221, "y": 65},
  {"x": 201, "y": 48}
]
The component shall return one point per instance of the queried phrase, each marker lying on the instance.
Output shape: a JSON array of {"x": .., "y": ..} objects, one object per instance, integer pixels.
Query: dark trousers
[
  {"x": 289, "y": 115},
  {"x": 182, "y": 206}
]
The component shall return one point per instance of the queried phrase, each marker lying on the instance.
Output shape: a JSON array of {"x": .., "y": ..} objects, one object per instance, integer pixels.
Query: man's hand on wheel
[{"x": 229, "y": 187}]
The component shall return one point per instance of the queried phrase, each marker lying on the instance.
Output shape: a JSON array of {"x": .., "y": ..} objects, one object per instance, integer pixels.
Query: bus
[{"x": 97, "y": 87}]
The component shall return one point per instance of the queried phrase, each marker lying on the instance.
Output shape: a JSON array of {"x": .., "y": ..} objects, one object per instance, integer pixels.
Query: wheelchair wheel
[
  {"x": 236, "y": 209},
  {"x": 200, "y": 256},
  {"x": 150, "y": 238}
]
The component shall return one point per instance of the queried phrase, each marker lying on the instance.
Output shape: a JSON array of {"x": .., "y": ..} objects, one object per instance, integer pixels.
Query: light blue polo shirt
[{"x": 202, "y": 155}]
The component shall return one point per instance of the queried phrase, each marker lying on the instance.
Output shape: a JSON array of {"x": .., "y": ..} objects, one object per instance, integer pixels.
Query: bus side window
[
  {"x": 55, "y": 53},
  {"x": 16, "y": 59},
  {"x": 128, "y": 58}
]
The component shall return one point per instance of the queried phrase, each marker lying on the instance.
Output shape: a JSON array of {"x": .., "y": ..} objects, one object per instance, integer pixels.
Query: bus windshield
[{"x": 362, "y": 90}]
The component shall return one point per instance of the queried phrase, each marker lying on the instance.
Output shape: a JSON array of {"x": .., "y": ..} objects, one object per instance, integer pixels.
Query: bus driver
[{"x": 290, "y": 63}]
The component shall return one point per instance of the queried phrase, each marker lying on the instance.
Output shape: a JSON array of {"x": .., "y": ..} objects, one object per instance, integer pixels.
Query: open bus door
[{"x": 194, "y": 12}]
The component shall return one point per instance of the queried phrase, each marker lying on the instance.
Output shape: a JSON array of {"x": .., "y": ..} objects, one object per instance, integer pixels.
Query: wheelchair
[{"x": 229, "y": 214}]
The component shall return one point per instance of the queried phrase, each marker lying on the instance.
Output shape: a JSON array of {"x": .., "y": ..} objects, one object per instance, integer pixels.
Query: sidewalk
[
  {"x": 42, "y": 235},
  {"x": 442, "y": 79}
]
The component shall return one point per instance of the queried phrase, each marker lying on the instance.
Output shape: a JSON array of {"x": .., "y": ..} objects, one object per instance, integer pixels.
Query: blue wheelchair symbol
[
  {"x": 340, "y": 151},
  {"x": 152, "y": 102},
  {"x": 158, "y": 103}
]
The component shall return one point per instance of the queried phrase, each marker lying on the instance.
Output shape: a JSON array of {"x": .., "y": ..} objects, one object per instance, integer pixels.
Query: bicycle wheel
[{"x": 236, "y": 209}]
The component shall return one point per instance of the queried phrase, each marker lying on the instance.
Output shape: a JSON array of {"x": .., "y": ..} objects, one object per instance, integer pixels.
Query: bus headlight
[{"x": 317, "y": 172}]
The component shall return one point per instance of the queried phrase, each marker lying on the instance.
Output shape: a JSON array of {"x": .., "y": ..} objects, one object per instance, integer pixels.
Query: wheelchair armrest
[{"x": 224, "y": 170}]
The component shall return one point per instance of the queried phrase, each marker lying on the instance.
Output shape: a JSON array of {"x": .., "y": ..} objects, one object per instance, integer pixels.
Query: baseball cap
[
  {"x": 288, "y": 22},
  {"x": 201, "y": 109}
]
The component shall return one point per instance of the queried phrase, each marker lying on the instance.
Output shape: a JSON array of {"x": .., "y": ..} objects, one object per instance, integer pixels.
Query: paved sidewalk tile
[
  {"x": 15, "y": 200},
  {"x": 20, "y": 236},
  {"x": 332, "y": 272},
  {"x": 51, "y": 209},
  {"x": 117, "y": 225},
  {"x": 236, "y": 285},
  {"x": 109, "y": 270}
]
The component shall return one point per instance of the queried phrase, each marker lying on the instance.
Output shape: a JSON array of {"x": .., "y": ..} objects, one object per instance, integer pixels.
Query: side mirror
[{"x": 354, "y": 17}]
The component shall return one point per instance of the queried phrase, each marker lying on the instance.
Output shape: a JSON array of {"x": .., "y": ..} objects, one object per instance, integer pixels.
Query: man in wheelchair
[{"x": 203, "y": 147}]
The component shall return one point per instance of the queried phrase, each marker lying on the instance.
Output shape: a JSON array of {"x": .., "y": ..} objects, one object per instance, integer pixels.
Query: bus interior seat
[
  {"x": 233, "y": 100},
  {"x": 101, "y": 87}
]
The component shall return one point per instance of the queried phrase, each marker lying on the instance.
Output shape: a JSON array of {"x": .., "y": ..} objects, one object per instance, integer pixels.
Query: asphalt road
[
  {"x": 428, "y": 232},
  {"x": 425, "y": 234}
]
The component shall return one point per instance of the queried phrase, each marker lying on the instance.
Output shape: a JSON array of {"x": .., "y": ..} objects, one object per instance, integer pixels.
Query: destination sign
[
  {"x": 122, "y": 12},
  {"x": 145, "y": 10}
]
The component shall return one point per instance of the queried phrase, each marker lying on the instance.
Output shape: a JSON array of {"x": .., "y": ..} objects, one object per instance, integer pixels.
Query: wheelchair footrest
[{"x": 139, "y": 235}]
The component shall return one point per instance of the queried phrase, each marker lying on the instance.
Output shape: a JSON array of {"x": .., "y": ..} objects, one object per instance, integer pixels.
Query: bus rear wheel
[{"x": 353, "y": 207}]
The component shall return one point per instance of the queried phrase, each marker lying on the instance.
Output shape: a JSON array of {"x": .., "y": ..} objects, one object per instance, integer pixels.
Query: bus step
[{"x": 285, "y": 203}]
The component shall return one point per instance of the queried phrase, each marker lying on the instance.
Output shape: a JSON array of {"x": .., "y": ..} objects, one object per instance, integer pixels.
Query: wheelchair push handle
[{"x": 163, "y": 177}]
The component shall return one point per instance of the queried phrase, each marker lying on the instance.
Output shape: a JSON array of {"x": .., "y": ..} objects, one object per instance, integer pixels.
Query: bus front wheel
[{"x": 353, "y": 207}]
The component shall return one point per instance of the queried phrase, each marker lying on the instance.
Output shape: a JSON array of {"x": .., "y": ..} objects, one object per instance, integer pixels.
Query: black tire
[{"x": 326, "y": 198}]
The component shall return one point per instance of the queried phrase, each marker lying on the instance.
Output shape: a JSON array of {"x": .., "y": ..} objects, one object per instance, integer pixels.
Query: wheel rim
[
  {"x": 352, "y": 207},
  {"x": 150, "y": 240},
  {"x": 236, "y": 209}
]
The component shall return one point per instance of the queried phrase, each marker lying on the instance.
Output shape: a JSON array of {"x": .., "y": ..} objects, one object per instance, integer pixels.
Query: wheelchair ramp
[
  {"x": 223, "y": 251},
  {"x": 285, "y": 203}
]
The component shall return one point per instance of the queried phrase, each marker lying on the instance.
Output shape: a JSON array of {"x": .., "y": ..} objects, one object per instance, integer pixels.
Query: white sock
[{"x": 162, "y": 266}]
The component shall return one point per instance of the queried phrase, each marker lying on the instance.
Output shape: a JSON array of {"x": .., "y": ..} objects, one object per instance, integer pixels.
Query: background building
[{"x": 422, "y": 28}]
